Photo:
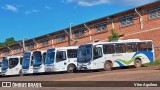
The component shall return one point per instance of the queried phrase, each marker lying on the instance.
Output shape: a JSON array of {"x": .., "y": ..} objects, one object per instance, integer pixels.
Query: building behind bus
[{"x": 141, "y": 22}]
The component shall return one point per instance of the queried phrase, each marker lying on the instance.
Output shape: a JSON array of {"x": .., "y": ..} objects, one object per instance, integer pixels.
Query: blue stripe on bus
[
  {"x": 149, "y": 55},
  {"x": 120, "y": 64}
]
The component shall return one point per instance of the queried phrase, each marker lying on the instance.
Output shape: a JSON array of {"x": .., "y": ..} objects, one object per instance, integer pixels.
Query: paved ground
[{"x": 128, "y": 74}]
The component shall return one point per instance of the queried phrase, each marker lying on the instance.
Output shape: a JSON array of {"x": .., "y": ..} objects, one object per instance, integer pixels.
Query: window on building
[
  {"x": 142, "y": 46},
  {"x": 154, "y": 13},
  {"x": 60, "y": 37},
  {"x": 72, "y": 53},
  {"x": 126, "y": 21},
  {"x": 101, "y": 27},
  {"x": 120, "y": 48},
  {"x": 6, "y": 52},
  {"x": 44, "y": 42},
  {"x": 30, "y": 47},
  {"x": 79, "y": 33},
  {"x": 108, "y": 49},
  {"x": 18, "y": 49},
  {"x": 131, "y": 47}
]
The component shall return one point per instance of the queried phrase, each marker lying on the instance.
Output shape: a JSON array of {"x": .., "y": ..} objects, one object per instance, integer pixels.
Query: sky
[{"x": 33, "y": 18}]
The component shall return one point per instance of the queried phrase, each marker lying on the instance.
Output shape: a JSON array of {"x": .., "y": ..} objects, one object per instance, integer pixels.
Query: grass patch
[{"x": 155, "y": 63}]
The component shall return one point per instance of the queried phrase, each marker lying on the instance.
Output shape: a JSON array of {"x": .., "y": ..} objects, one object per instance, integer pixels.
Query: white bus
[
  {"x": 106, "y": 55},
  {"x": 12, "y": 65},
  {"x": 39, "y": 61},
  {"x": 61, "y": 59},
  {"x": 27, "y": 64}
]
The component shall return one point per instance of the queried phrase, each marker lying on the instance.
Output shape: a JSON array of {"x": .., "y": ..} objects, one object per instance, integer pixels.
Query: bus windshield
[
  {"x": 50, "y": 56},
  {"x": 37, "y": 58},
  {"x": 84, "y": 53},
  {"x": 4, "y": 64},
  {"x": 26, "y": 60}
]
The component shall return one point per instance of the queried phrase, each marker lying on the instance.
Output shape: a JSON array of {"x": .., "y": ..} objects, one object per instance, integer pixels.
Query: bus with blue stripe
[{"x": 121, "y": 53}]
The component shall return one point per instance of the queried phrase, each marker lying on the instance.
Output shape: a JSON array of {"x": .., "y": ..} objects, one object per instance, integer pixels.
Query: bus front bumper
[
  {"x": 49, "y": 68},
  {"x": 38, "y": 69},
  {"x": 83, "y": 67},
  {"x": 26, "y": 71}
]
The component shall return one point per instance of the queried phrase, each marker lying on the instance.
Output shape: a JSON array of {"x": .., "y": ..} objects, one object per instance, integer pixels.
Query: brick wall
[{"x": 150, "y": 30}]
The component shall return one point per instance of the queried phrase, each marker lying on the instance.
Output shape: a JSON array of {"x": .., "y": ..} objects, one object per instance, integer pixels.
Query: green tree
[
  {"x": 1, "y": 44},
  {"x": 9, "y": 41},
  {"x": 115, "y": 35}
]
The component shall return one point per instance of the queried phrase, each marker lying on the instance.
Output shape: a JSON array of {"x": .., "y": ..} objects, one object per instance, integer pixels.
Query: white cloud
[
  {"x": 10, "y": 7},
  {"x": 31, "y": 11},
  {"x": 34, "y": 10},
  {"x": 88, "y": 2},
  {"x": 130, "y": 2},
  {"x": 112, "y": 2},
  {"x": 47, "y": 7}
]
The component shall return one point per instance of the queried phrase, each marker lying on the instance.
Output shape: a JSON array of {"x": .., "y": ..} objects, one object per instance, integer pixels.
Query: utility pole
[
  {"x": 70, "y": 34},
  {"x": 24, "y": 47}
]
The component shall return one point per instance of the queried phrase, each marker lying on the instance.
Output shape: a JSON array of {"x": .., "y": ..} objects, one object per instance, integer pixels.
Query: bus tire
[
  {"x": 71, "y": 68},
  {"x": 137, "y": 63},
  {"x": 107, "y": 66},
  {"x": 20, "y": 73}
]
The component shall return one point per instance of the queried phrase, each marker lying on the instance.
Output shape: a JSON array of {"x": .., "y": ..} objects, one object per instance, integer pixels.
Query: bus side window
[
  {"x": 13, "y": 62},
  {"x": 0, "y": 64},
  {"x": 142, "y": 46},
  {"x": 97, "y": 51},
  {"x": 31, "y": 60},
  {"x": 21, "y": 60},
  {"x": 149, "y": 46},
  {"x": 72, "y": 53},
  {"x": 131, "y": 47},
  {"x": 44, "y": 57},
  {"x": 108, "y": 49},
  {"x": 120, "y": 48},
  {"x": 60, "y": 56}
]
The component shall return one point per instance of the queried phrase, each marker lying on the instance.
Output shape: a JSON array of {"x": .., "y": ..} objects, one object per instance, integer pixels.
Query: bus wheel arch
[
  {"x": 71, "y": 68},
  {"x": 137, "y": 63},
  {"x": 108, "y": 65}
]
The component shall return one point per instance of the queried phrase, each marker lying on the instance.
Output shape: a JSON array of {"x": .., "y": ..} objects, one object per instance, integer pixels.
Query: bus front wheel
[
  {"x": 137, "y": 63},
  {"x": 108, "y": 66},
  {"x": 20, "y": 73},
  {"x": 71, "y": 68}
]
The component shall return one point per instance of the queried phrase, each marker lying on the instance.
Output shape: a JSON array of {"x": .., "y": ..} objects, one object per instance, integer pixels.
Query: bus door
[
  {"x": 13, "y": 62},
  {"x": 61, "y": 61},
  {"x": 97, "y": 57}
]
